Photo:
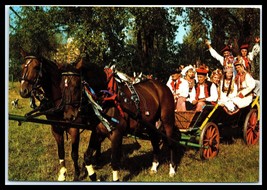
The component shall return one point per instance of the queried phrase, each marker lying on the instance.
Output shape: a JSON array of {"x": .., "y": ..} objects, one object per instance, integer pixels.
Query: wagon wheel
[
  {"x": 251, "y": 128},
  {"x": 209, "y": 141}
]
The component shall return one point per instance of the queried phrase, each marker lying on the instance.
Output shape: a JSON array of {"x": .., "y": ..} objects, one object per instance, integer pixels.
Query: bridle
[{"x": 36, "y": 81}]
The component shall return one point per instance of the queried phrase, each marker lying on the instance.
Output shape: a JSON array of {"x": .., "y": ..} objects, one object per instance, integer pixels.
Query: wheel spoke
[
  {"x": 252, "y": 134},
  {"x": 213, "y": 131},
  {"x": 253, "y": 119},
  {"x": 251, "y": 128},
  {"x": 209, "y": 133},
  {"x": 249, "y": 137},
  {"x": 214, "y": 134},
  {"x": 206, "y": 142},
  {"x": 208, "y": 153}
]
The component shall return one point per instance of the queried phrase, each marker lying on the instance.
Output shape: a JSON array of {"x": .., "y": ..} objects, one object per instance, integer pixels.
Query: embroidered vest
[{"x": 207, "y": 86}]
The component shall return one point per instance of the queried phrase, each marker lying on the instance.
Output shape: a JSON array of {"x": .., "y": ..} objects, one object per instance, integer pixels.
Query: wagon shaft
[{"x": 20, "y": 119}]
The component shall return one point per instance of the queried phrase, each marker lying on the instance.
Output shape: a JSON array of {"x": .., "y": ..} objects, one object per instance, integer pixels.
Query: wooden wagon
[{"x": 203, "y": 129}]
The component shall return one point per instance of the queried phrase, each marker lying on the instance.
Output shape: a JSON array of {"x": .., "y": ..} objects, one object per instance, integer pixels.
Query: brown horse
[
  {"x": 42, "y": 77},
  {"x": 123, "y": 108}
]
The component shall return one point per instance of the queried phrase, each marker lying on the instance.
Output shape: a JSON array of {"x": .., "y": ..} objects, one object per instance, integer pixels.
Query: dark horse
[
  {"x": 119, "y": 107},
  {"x": 41, "y": 77}
]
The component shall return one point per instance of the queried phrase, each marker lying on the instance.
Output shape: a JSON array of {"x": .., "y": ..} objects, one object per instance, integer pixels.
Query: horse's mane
[
  {"x": 93, "y": 74},
  {"x": 51, "y": 68}
]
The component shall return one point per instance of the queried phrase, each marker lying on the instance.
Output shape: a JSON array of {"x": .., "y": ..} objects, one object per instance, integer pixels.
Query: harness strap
[
  {"x": 134, "y": 95},
  {"x": 113, "y": 98},
  {"x": 112, "y": 90},
  {"x": 123, "y": 78}
]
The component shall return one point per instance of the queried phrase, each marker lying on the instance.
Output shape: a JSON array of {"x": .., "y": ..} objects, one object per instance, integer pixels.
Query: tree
[
  {"x": 220, "y": 25},
  {"x": 134, "y": 38}
]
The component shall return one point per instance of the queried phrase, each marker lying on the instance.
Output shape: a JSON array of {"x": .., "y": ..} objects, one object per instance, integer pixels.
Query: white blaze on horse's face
[
  {"x": 66, "y": 83},
  {"x": 28, "y": 62},
  {"x": 25, "y": 66}
]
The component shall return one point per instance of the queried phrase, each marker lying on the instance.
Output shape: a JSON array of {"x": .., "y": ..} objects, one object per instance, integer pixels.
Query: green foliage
[{"x": 135, "y": 38}]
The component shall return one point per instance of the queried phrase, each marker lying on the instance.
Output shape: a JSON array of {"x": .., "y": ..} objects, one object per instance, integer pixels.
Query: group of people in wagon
[{"x": 232, "y": 87}]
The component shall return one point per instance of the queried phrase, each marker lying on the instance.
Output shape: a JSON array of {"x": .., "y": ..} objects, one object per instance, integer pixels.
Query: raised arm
[{"x": 214, "y": 53}]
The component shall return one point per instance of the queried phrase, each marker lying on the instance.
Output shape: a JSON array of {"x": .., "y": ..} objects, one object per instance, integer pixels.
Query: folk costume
[
  {"x": 179, "y": 88},
  {"x": 247, "y": 61},
  {"x": 225, "y": 61},
  {"x": 205, "y": 93},
  {"x": 228, "y": 90},
  {"x": 191, "y": 81},
  {"x": 245, "y": 85},
  {"x": 215, "y": 77}
]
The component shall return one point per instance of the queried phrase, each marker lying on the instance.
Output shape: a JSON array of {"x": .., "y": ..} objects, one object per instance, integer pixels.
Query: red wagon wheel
[
  {"x": 209, "y": 141},
  {"x": 251, "y": 128}
]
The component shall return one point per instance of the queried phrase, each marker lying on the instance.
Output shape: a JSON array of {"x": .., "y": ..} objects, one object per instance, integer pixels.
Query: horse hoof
[
  {"x": 61, "y": 178},
  {"x": 154, "y": 167},
  {"x": 171, "y": 174},
  {"x": 62, "y": 174},
  {"x": 172, "y": 171},
  {"x": 93, "y": 177}
]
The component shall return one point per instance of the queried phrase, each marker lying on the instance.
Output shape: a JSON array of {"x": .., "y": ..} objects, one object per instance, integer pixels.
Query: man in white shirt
[
  {"x": 205, "y": 91},
  {"x": 227, "y": 59},
  {"x": 248, "y": 58}
]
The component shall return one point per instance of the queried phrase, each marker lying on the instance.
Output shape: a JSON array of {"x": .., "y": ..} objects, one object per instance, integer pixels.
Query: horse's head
[
  {"x": 71, "y": 91},
  {"x": 74, "y": 77},
  {"x": 31, "y": 74}
]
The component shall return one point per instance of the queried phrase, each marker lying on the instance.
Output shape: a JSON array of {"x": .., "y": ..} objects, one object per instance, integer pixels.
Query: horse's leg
[
  {"x": 168, "y": 119},
  {"x": 58, "y": 135},
  {"x": 168, "y": 126},
  {"x": 75, "y": 139},
  {"x": 156, "y": 150},
  {"x": 116, "y": 146},
  {"x": 98, "y": 153},
  {"x": 93, "y": 146}
]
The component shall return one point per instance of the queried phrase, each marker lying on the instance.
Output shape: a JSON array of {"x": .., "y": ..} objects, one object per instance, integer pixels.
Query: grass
[{"x": 32, "y": 157}]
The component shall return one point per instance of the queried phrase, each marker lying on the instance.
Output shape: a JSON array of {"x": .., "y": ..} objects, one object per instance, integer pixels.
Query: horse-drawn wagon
[
  {"x": 148, "y": 99},
  {"x": 203, "y": 129}
]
